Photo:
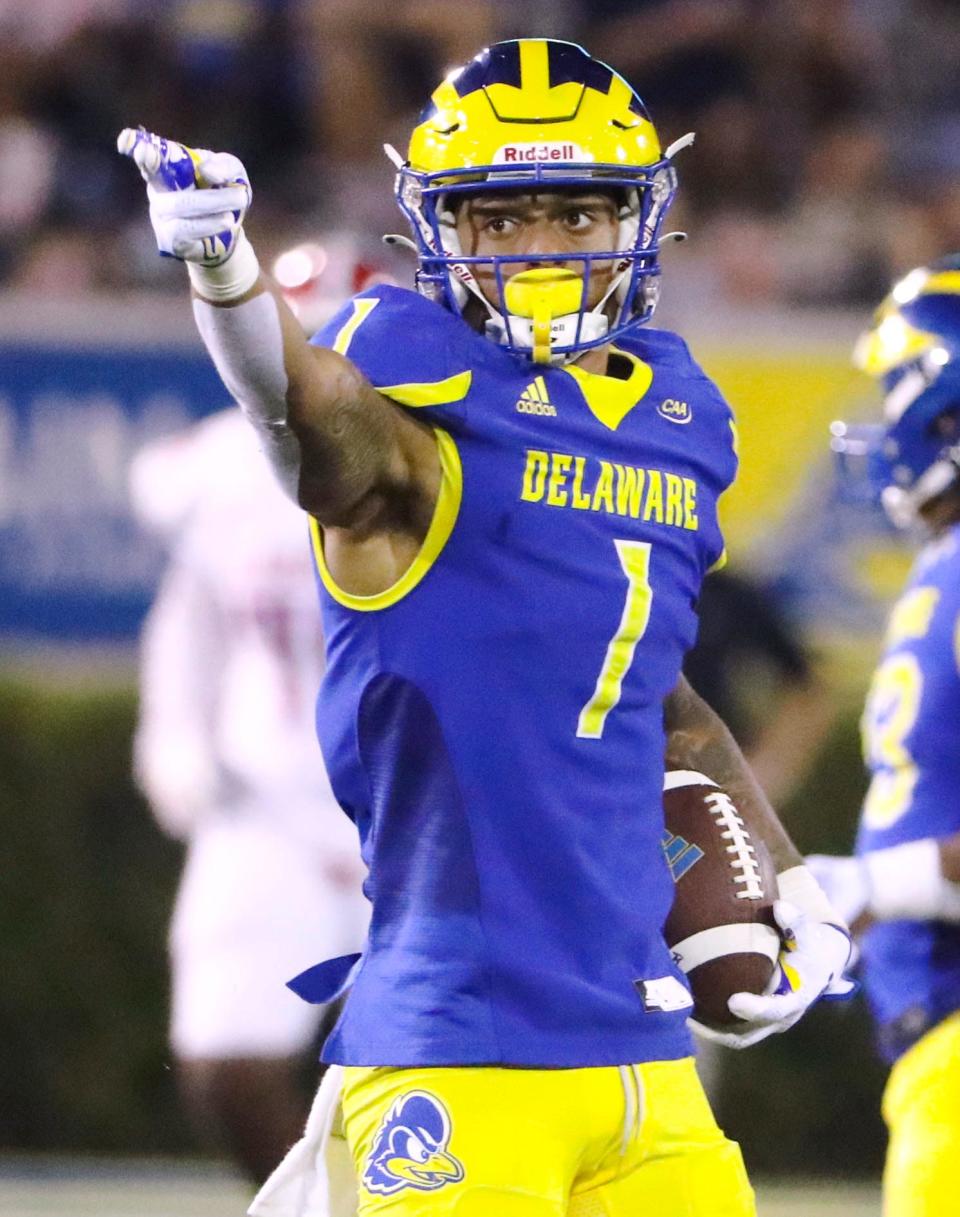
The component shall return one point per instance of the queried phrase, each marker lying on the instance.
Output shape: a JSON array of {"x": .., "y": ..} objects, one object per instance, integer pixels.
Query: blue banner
[{"x": 73, "y": 565}]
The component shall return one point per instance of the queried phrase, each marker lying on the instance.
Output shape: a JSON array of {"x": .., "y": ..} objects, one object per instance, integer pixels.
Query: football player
[
  {"x": 226, "y": 754},
  {"x": 904, "y": 883},
  {"x": 512, "y": 488}
]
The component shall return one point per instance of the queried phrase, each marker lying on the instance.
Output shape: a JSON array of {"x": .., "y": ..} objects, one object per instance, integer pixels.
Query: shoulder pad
[
  {"x": 661, "y": 346},
  {"x": 399, "y": 339}
]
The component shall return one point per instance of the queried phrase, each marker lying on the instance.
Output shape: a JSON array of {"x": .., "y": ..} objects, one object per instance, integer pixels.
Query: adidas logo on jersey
[{"x": 535, "y": 400}]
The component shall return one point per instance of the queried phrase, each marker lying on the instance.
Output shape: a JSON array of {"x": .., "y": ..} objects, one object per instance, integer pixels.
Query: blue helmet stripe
[
  {"x": 497, "y": 65},
  {"x": 570, "y": 63}
]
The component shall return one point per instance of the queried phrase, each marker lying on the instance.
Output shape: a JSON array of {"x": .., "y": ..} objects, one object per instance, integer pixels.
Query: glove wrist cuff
[
  {"x": 799, "y": 886},
  {"x": 230, "y": 280}
]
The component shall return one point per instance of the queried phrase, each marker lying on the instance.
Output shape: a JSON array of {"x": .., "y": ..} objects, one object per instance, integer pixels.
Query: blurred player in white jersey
[{"x": 226, "y": 754}]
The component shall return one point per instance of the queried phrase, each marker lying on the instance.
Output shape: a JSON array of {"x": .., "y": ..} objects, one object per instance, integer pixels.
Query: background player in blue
[
  {"x": 905, "y": 880},
  {"x": 512, "y": 488}
]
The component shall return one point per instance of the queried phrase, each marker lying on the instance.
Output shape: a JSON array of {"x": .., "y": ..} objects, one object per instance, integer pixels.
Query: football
[{"x": 720, "y": 930}]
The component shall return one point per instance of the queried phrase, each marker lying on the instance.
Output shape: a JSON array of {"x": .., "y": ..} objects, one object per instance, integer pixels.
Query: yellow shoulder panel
[
  {"x": 361, "y": 311},
  {"x": 441, "y": 526},
  {"x": 429, "y": 392},
  {"x": 425, "y": 393},
  {"x": 946, "y": 282}
]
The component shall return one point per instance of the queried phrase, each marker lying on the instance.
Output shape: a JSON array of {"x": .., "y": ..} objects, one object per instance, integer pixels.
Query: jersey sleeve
[
  {"x": 721, "y": 447},
  {"x": 409, "y": 348},
  {"x": 180, "y": 648}
]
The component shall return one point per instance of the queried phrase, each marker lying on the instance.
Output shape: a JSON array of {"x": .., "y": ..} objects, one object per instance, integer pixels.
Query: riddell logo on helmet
[{"x": 525, "y": 154}]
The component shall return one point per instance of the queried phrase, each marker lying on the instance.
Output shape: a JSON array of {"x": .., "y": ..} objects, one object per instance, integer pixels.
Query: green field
[{"x": 65, "y": 1187}]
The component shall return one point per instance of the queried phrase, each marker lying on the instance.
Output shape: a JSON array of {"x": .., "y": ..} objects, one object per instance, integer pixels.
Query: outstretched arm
[{"x": 348, "y": 455}]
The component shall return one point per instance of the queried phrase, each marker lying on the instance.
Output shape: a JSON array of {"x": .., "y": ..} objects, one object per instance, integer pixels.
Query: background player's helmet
[
  {"x": 913, "y": 349},
  {"x": 538, "y": 114}
]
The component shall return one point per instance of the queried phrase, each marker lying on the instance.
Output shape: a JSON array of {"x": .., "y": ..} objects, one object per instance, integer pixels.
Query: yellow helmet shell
[
  {"x": 896, "y": 335},
  {"x": 533, "y": 102}
]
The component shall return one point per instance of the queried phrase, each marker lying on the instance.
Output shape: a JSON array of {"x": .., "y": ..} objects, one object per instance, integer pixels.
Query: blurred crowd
[{"x": 828, "y": 131}]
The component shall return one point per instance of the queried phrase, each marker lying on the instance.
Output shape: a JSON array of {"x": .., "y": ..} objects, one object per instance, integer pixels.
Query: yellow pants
[
  {"x": 921, "y": 1106},
  {"x": 629, "y": 1141}
]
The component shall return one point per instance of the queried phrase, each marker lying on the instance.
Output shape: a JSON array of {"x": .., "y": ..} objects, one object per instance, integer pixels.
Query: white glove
[
  {"x": 846, "y": 882},
  {"x": 198, "y": 198},
  {"x": 811, "y": 964}
]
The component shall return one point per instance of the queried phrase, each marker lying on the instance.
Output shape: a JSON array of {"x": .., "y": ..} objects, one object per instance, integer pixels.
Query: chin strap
[
  {"x": 563, "y": 332},
  {"x": 543, "y": 312}
]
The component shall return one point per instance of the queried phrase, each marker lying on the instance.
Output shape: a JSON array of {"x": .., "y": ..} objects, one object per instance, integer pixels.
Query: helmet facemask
[
  {"x": 448, "y": 275},
  {"x": 912, "y": 458}
]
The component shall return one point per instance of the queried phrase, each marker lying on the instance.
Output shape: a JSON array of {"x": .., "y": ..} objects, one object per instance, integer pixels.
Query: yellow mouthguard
[{"x": 542, "y": 294}]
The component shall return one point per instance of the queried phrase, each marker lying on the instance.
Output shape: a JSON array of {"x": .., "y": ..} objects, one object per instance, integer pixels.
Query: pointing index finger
[
  {"x": 142, "y": 147},
  {"x": 164, "y": 163}
]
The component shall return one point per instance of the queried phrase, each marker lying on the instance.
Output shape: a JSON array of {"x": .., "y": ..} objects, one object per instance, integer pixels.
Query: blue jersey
[
  {"x": 911, "y": 729},
  {"x": 493, "y": 723}
]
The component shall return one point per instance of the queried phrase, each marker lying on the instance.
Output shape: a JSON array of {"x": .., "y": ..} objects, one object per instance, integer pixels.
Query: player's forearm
[
  {"x": 789, "y": 741},
  {"x": 241, "y": 327},
  {"x": 913, "y": 881},
  {"x": 325, "y": 429},
  {"x": 697, "y": 739}
]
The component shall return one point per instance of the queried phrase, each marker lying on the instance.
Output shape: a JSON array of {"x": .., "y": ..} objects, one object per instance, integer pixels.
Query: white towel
[{"x": 316, "y": 1178}]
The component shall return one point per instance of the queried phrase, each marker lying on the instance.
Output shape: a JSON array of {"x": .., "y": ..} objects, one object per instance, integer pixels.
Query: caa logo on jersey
[
  {"x": 675, "y": 411},
  {"x": 410, "y": 1147}
]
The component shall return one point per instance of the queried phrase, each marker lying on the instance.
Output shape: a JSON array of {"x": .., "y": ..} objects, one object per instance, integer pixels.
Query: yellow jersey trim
[
  {"x": 426, "y": 393},
  {"x": 441, "y": 526},
  {"x": 720, "y": 563},
  {"x": 429, "y": 392},
  {"x": 361, "y": 311},
  {"x": 946, "y": 282},
  {"x": 609, "y": 398}
]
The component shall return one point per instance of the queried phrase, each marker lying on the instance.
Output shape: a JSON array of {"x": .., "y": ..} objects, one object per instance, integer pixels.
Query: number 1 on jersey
[{"x": 635, "y": 559}]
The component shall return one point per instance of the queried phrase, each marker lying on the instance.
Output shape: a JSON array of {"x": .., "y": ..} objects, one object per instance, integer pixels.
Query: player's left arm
[
  {"x": 913, "y": 880},
  {"x": 816, "y": 941},
  {"x": 698, "y": 739},
  {"x": 916, "y": 880}
]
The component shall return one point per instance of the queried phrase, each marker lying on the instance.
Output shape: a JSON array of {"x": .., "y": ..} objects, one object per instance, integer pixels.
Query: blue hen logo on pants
[{"x": 410, "y": 1147}]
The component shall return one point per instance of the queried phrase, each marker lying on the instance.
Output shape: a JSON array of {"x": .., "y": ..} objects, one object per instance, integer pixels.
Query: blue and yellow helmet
[
  {"x": 913, "y": 349},
  {"x": 537, "y": 114}
]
